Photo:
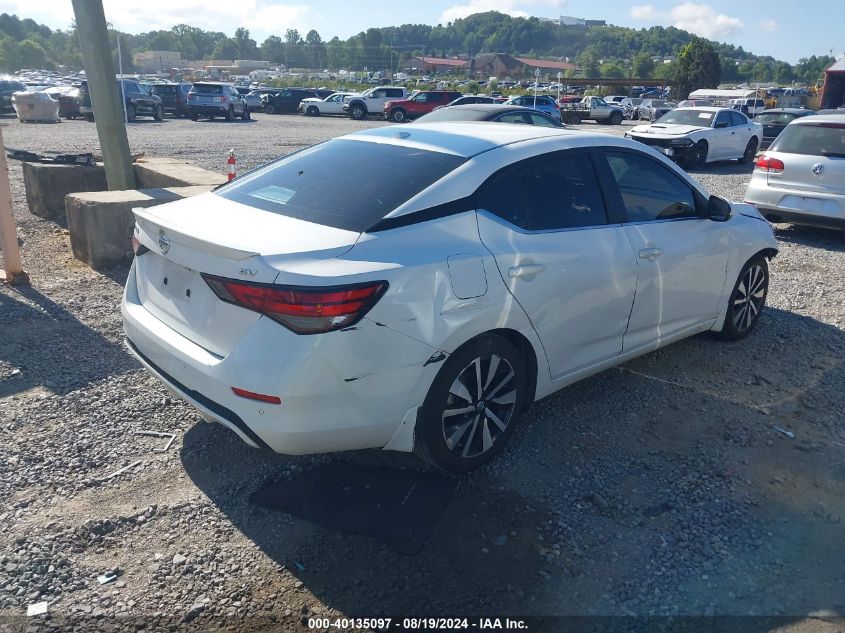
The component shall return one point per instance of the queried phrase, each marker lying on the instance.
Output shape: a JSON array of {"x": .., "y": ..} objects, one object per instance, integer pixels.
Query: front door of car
[
  {"x": 682, "y": 258},
  {"x": 417, "y": 104},
  {"x": 722, "y": 138},
  {"x": 566, "y": 263}
]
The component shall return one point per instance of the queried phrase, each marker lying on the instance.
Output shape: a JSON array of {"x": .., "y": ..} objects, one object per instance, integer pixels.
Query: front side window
[
  {"x": 649, "y": 190},
  {"x": 420, "y": 98},
  {"x": 723, "y": 119},
  {"x": 378, "y": 94},
  {"x": 600, "y": 102}
]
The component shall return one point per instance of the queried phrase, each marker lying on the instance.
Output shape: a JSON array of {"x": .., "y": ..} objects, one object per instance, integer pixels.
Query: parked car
[
  {"x": 775, "y": 120},
  {"x": 653, "y": 109},
  {"x": 472, "y": 100},
  {"x": 333, "y": 104},
  {"x": 69, "y": 100},
  {"x": 252, "y": 98},
  {"x": 749, "y": 107},
  {"x": 372, "y": 101},
  {"x": 801, "y": 177},
  {"x": 697, "y": 136},
  {"x": 174, "y": 97},
  {"x": 626, "y": 103},
  {"x": 399, "y": 110},
  {"x": 288, "y": 99},
  {"x": 7, "y": 89},
  {"x": 310, "y": 307},
  {"x": 493, "y": 113},
  {"x": 137, "y": 97},
  {"x": 696, "y": 103},
  {"x": 635, "y": 108},
  {"x": 543, "y": 103},
  {"x": 211, "y": 99},
  {"x": 592, "y": 108}
]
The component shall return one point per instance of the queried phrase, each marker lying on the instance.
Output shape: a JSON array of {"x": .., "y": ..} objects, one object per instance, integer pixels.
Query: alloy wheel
[
  {"x": 749, "y": 298},
  {"x": 479, "y": 406}
]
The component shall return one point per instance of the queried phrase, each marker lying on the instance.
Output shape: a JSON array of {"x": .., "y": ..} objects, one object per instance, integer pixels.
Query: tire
[
  {"x": 312, "y": 111},
  {"x": 230, "y": 114},
  {"x": 616, "y": 118},
  {"x": 245, "y": 116},
  {"x": 481, "y": 427},
  {"x": 158, "y": 113},
  {"x": 747, "y": 300},
  {"x": 131, "y": 113},
  {"x": 398, "y": 115},
  {"x": 269, "y": 109},
  {"x": 699, "y": 156},
  {"x": 195, "y": 117},
  {"x": 635, "y": 116},
  {"x": 750, "y": 151},
  {"x": 573, "y": 119},
  {"x": 358, "y": 112}
]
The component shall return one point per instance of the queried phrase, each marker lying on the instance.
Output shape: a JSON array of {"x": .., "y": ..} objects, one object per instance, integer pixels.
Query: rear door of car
[
  {"x": 721, "y": 139},
  {"x": 681, "y": 257},
  {"x": 741, "y": 132},
  {"x": 566, "y": 262}
]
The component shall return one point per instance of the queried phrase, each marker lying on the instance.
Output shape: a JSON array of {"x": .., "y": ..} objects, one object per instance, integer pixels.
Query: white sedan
[
  {"x": 697, "y": 136},
  {"x": 310, "y": 307},
  {"x": 333, "y": 104}
]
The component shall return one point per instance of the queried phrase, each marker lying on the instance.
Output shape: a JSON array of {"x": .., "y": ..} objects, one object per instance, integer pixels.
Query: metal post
[
  {"x": 108, "y": 111},
  {"x": 13, "y": 272}
]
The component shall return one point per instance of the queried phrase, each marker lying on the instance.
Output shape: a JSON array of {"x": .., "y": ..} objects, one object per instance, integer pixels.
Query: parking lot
[{"x": 662, "y": 487}]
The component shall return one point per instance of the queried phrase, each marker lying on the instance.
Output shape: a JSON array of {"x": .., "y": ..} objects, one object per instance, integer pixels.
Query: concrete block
[
  {"x": 101, "y": 222},
  {"x": 47, "y": 185},
  {"x": 170, "y": 172}
]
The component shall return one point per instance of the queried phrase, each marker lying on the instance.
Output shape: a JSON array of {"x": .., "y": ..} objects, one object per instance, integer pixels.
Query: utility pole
[{"x": 105, "y": 98}]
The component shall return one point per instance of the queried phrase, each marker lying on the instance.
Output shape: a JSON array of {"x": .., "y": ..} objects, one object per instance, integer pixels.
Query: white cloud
[
  {"x": 643, "y": 12},
  {"x": 770, "y": 26},
  {"x": 511, "y": 7},
  {"x": 703, "y": 20}
]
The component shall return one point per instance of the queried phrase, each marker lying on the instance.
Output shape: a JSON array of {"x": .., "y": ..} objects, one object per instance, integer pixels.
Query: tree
[
  {"x": 590, "y": 65},
  {"x": 613, "y": 70},
  {"x": 698, "y": 66},
  {"x": 643, "y": 66},
  {"x": 273, "y": 49},
  {"x": 247, "y": 49},
  {"x": 226, "y": 48},
  {"x": 315, "y": 46},
  {"x": 783, "y": 73}
]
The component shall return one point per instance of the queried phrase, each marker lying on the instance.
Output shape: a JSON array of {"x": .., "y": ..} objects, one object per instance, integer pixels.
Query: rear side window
[
  {"x": 737, "y": 118},
  {"x": 820, "y": 139},
  {"x": 562, "y": 192},
  {"x": 649, "y": 190},
  {"x": 394, "y": 92},
  {"x": 333, "y": 184},
  {"x": 502, "y": 196}
]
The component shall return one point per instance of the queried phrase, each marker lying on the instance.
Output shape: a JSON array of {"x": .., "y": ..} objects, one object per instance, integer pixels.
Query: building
[
  {"x": 157, "y": 61},
  {"x": 833, "y": 90},
  {"x": 568, "y": 20},
  {"x": 251, "y": 64},
  {"x": 440, "y": 65},
  {"x": 545, "y": 66},
  {"x": 497, "y": 65}
]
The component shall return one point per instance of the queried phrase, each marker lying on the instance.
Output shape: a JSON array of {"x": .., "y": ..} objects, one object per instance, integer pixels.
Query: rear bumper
[
  {"x": 795, "y": 206},
  {"x": 340, "y": 391},
  {"x": 208, "y": 109}
]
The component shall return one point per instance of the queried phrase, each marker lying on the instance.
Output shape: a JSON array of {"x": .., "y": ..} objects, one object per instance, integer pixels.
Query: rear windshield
[
  {"x": 455, "y": 114},
  {"x": 208, "y": 89},
  {"x": 162, "y": 90},
  {"x": 820, "y": 139},
  {"x": 774, "y": 118},
  {"x": 344, "y": 184}
]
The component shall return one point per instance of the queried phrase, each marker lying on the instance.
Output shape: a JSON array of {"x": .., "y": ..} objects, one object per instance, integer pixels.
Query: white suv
[{"x": 372, "y": 101}]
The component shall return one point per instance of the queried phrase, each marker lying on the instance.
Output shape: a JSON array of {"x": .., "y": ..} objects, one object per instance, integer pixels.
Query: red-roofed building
[
  {"x": 438, "y": 65},
  {"x": 546, "y": 66}
]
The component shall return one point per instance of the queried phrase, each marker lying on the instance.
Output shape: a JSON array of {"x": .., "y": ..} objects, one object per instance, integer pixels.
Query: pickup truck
[
  {"x": 372, "y": 101},
  {"x": 591, "y": 108}
]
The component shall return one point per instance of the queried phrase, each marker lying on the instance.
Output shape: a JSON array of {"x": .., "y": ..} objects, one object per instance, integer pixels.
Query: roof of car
[
  {"x": 787, "y": 111},
  {"x": 821, "y": 118},
  {"x": 467, "y": 139},
  {"x": 708, "y": 109}
]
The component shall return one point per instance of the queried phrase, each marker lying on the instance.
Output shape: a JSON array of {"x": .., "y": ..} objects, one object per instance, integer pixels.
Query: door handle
[
  {"x": 650, "y": 253},
  {"x": 525, "y": 271}
]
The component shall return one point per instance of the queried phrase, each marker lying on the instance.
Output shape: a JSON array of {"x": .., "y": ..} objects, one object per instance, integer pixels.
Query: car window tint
[
  {"x": 502, "y": 195},
  {"x": 562, "y": 192},
  {"x": 538, "y": 119},
  {"x": 723, "y": 119},
  {"x": 737, "y": 118},
  {"x": 826, "y": 139},
  {"x": 649, "y": 190},
  {"x": 332, "y": 183},
  {"x": 511, "y": 117}
]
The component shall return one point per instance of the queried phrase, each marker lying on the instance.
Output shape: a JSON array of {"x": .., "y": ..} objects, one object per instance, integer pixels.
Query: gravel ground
[{"x": 656, "y": 488}]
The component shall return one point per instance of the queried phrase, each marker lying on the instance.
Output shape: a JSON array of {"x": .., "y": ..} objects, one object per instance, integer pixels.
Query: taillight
[
  {"x": 223, "y": 99},
  {"x": 769, "y": 164},
  {"x": 301, "y": 309},
  {"x": 137, "y": 247}
]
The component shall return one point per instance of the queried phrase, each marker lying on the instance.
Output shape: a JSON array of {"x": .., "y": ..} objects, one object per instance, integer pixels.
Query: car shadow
[
  {"x": 825, "y": 239},
  {"x": 598, "y": 491},
  {"x": 44, "y": 345}
]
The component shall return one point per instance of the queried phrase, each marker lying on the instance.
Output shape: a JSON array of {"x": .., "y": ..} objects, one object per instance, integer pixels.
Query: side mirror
[{"x": 718, "y": 209}]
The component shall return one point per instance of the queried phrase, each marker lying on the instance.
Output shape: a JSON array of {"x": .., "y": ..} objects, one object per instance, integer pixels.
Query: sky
[{"x": 784, "y": 29}]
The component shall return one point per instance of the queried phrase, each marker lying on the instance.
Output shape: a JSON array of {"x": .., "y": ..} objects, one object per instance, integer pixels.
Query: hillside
[{"x": 611, "y": 50}]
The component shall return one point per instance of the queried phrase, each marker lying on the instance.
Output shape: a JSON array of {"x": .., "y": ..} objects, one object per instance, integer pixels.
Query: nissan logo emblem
[
  {"x": 818, "y": 169},
  {"x": 163, "y": 242}
]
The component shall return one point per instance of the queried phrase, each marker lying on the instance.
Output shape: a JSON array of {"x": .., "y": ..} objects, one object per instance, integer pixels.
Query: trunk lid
[{"x": 209, "y": 234}]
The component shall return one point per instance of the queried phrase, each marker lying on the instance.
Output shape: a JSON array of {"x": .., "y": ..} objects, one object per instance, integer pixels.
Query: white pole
[
  {"x": 122, "y": 89},
  {"x": 536, "y": 78},
  {"x": 13, "y": 273}
]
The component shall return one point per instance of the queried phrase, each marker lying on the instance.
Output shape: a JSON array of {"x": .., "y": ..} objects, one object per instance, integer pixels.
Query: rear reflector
[
  {"x": 301, "y": 309},
  {"x": 243, "y": 393},
  {"x": 137, "y": 247},
  {"x": 769, "y": 164}
]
